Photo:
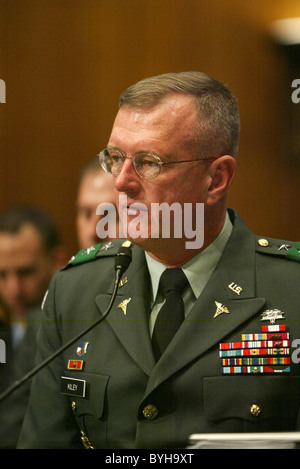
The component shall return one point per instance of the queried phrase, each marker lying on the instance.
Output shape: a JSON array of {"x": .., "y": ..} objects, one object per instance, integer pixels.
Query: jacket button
[
  {"x": 73, "y": 405},
  {"x": 150, "y": 412},
  {"x": 263, "y": 242},
  {"x": 255, "y": 410}
]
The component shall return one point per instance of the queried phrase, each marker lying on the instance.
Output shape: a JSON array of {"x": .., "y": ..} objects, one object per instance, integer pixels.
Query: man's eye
[
  {"x": 149, "y": 163},
  {"x": 116, "y": 158},
  {"x": 26, "y": 272}
]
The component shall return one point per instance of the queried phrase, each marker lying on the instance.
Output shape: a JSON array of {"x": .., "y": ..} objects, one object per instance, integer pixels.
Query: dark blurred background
[{"x": 65, "y": 63}]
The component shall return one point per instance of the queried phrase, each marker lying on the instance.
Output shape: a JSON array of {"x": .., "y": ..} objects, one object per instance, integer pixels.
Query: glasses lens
[
  {"x": 111, "y": 161},
  {"x": 146, "y": 165}
]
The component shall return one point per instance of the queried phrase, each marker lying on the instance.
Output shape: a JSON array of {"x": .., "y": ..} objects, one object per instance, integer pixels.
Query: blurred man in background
[
  {"x": 30, "y": 253},
  {"x": 95, "y": 187}
]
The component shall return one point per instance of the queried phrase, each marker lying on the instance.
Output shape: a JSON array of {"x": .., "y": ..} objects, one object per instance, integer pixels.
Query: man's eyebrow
[{"x": 147, "y": 152}]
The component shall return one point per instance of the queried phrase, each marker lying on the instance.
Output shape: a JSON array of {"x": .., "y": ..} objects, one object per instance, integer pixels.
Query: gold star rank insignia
[{"x": 220, "y": 309}]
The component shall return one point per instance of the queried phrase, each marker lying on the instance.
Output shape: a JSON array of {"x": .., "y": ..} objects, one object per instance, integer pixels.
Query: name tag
[{"x": 73, "y": 386}]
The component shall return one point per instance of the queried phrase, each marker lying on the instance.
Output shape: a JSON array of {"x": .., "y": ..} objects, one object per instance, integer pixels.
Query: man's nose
[{"x": 127, "y": 180}]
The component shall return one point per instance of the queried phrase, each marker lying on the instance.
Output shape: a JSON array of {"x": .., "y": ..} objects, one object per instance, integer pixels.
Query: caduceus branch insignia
[{"x": 124, "y": 304}]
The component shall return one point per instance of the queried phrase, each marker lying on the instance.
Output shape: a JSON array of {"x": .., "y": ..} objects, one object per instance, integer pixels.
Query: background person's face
[{"x": 25, "y": 269}]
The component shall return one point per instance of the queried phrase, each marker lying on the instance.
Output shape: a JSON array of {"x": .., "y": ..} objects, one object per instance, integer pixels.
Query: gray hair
[{"x": 218, "y": 128}]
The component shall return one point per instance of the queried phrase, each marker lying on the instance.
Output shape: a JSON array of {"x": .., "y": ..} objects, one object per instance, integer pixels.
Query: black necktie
[{"x": 171, "y": 314}]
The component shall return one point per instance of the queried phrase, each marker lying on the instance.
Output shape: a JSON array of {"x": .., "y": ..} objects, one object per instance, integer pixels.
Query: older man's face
[{"x": 165, "y": 130}]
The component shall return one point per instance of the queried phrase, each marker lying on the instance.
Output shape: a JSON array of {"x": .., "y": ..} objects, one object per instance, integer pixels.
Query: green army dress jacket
[{"x": 108, "y": 392}]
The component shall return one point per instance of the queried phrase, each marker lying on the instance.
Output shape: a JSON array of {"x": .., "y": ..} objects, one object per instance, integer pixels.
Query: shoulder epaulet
[
  {"x": 294, "y": 252},
  {"x": 279, "y": 247},
  {"x": 92, "y": 253}
]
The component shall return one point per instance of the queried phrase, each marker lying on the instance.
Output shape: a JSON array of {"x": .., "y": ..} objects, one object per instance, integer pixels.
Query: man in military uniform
[{"x": 229, "y": 367}]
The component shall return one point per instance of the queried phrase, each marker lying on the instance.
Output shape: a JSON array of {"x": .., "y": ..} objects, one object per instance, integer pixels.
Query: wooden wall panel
[{"x": 65, "y": 62}]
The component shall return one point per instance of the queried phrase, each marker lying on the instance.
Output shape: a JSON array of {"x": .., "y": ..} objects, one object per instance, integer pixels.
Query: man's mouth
[{"x": 134, "y": 208}]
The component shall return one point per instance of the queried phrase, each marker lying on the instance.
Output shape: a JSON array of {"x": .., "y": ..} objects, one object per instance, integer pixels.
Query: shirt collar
[{"x": 198, "y": 269}]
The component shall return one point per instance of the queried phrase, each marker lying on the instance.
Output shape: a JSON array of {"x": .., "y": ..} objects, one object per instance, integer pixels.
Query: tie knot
[{"x": 173, "y": 280}]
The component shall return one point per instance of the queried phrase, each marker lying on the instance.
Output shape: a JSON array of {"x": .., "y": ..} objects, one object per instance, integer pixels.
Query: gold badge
[
  {"x": 220, "y": 309},
  {"x": 123, "y": 281},
  {"x": 124, "y": 304}
]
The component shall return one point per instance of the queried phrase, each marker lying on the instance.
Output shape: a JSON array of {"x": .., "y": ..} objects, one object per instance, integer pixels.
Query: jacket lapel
[{"x": 129, "y": 316}]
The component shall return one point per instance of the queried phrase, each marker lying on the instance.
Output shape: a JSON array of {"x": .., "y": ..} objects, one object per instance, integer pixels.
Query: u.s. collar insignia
[
  {"x": 82, "y": 348},
  {"x": 124, "y": 304},
  {"x": 234, "y": 287},
  {"x": 272, "y": 315},
  {"x": 220, "y": 309}
]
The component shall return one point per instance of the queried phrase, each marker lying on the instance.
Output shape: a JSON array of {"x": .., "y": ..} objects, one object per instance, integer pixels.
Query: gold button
[
  {"x": 127, "y": 243},
  {"x": 255, "y": 410},
  {"x": 150, "y": 412},
  {"x": 263, "y": 242},
  {"x": 73, "y": 406}
]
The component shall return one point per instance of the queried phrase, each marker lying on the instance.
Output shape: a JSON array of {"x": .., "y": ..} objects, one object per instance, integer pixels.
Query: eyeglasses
[{"x": 146, "y": 165}]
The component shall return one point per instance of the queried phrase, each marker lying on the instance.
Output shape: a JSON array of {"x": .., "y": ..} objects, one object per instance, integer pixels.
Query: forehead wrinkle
[{"x": 149, "y": 129}]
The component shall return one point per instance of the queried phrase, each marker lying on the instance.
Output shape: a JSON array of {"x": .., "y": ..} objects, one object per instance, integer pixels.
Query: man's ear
[{"x": 222, "y": 172}]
